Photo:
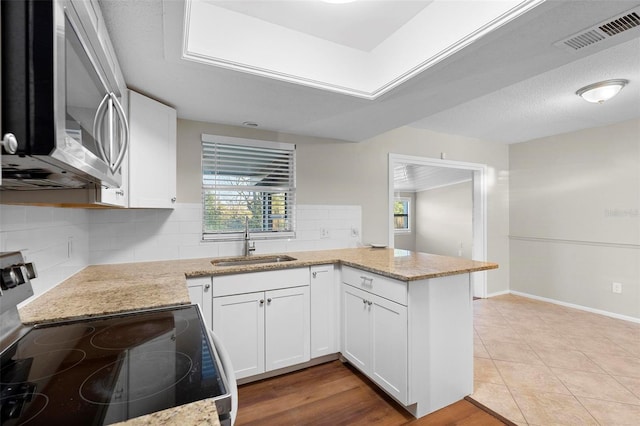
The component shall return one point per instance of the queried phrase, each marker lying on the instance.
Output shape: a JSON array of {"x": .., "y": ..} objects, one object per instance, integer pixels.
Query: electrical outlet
[
  {"x": 616, "y": 288},
  {"x": 324, "y": 233}
]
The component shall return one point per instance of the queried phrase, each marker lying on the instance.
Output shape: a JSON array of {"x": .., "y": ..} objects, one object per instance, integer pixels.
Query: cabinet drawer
[
  {"x": 377, "y": 284},
  {"x": 225, "y": 285}
]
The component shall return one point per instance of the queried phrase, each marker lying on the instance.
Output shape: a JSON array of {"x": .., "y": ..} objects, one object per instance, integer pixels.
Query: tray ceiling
[{"x": 298, "y": 42}]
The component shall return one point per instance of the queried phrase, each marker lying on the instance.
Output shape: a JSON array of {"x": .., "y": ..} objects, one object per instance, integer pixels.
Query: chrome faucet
[{"x": 249, "y": 245}]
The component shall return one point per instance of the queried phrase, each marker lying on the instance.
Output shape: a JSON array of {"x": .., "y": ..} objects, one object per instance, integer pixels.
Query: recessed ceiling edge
[{"x": 501, "y": 20}]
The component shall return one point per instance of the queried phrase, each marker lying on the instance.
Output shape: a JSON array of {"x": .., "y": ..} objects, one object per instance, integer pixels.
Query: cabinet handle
[
  {"x": 269, "y": 300},
  {"x": 261, "y": 301},
  {"x": 314, "y": 274},
  {"x": 365, "y": 279},
  {"x": 369, "y": 302},
  {"x": 364, "y": 301},
  {"x": 207, "y": 287}
]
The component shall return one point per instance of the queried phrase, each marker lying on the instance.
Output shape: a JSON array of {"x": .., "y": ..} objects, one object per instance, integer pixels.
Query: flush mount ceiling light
[{"x": 602, "y": 91}]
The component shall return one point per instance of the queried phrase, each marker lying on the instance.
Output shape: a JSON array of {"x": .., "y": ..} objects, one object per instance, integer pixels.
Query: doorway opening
[{"x": 411, "y": 174}]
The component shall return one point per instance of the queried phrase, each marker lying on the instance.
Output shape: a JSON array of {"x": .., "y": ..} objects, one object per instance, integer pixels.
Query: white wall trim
[
  {"x": 579, "y": 307},
  {"x": 479, "y": 245},
  {"x": 498, "y": 293},
  {"x": 575, "y": 242}
]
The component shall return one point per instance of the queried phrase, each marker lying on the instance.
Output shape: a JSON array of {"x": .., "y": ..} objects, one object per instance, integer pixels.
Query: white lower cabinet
[
  {"x": 238, "y": 321},
  {"x": 200, "y": 294},
  {"x": 374, "y": 339},
  {"x": 324, "y": 310},
  {"x": 264, "y": 331},
  {"x": 287, "y": 332}
]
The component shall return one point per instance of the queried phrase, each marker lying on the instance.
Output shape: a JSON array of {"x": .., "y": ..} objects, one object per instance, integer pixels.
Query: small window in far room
[{"x": 401, "y": 215}]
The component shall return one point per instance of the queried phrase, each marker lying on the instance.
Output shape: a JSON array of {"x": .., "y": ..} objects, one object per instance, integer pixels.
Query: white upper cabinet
[{"x": 152, "y": 153}]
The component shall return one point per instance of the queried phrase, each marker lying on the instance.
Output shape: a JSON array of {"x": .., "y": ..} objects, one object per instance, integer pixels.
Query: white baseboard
[
  {"x": 574, "y": 306},
  {"x": 499, "y": 293}
]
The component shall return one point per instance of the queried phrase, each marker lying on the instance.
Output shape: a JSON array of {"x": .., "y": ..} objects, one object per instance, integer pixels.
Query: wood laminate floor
[{"x": 336, "y": 394}]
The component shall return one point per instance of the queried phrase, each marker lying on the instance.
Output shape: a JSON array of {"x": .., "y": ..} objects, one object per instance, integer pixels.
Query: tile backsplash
[
  {"x": 63, "y": 241},
  {"x": 55, "y": 239}
]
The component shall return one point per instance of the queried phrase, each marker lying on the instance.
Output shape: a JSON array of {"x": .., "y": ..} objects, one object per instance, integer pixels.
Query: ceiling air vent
[{"x": 601, "y": 31}]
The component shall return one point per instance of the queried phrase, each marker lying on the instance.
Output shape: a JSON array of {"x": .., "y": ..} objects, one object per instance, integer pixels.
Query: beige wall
[
  {"x": 574, "y": 217},
  {"x": 333, "y": 172},
  {"x": 445, "y": 220}
]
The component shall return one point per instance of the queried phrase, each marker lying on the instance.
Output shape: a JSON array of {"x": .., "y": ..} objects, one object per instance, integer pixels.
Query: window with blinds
[{"x": 245, "y": 178}]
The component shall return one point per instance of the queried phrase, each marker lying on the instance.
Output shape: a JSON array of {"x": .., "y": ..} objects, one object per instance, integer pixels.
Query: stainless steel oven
[
  {"x": 64, "y": 100},
  {"x": 105, "y": 369}
]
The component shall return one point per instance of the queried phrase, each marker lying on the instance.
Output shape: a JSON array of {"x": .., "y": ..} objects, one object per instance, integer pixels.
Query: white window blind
[{"x": 243, "y": 178}]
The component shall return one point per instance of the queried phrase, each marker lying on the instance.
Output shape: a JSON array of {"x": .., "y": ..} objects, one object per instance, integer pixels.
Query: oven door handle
[{"x": 229, "y": 372}]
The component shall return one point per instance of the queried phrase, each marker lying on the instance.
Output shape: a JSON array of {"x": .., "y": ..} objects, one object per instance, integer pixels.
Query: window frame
[
  {"x": 408, "y": 229},
  {"x": 266, "y": 207}
]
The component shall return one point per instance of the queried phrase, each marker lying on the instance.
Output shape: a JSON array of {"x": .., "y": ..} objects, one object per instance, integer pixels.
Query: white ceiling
[
  {"x": 416, "y": 177},
  {"x": 361, "y": 25},
  {"x": 510, "y": 85}
]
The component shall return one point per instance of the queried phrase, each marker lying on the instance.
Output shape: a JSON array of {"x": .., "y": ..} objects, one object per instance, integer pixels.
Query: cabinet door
[
  {"x": 239, "y": 323},
  {"x": 152, "y": 153},
  {"x": 356, "y": 325},
  {"x": 389, "y": 346},
  {"x": 118, "y": 196},
  {"x": 324, "y": 313},
  {"x": 287, "y": 327},
  {"x": 200, "y": 293}
]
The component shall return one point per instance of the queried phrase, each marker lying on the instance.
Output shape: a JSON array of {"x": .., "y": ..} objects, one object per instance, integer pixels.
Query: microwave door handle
[
  {"x": 124, "y": 132},
  {"x": 111, "y": 131},
  {"x": 98, "y": 122}
]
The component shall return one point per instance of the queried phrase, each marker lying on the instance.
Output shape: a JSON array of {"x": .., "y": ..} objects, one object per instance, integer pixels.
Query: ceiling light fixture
[
  {"x": 601, "y": 91},
  {"x": 338, "y": 1}
]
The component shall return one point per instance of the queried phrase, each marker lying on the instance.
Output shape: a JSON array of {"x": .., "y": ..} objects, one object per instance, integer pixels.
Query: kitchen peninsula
[
  {"x": 107, "y": 289},
  {"x": 433, "y": 346}
]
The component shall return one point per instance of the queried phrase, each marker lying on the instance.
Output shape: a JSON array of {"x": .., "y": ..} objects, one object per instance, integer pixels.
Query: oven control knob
[
  {"x": 9, "y": 143},
  {"x": 13, "y": 276},
  {"x": 30, "y": 270},
  {"x": 9, "y": 278}
]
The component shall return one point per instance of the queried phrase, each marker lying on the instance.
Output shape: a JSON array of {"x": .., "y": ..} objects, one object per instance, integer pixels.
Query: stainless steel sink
[{"x": 252, "y": 260}]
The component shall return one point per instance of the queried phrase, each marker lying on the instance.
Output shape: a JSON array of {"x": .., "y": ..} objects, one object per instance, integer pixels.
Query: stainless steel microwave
[{"x": 64, "y": 100}]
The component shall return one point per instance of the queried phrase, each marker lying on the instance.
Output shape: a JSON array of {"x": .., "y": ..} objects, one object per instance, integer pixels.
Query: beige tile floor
[{"x": 537, "y": 363}]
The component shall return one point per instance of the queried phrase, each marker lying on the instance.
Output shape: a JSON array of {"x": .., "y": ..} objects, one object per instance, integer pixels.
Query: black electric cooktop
[{"x": 109, "y": 369}]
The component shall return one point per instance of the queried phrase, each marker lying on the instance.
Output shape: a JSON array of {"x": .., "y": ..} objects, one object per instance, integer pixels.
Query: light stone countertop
[
  {"x": 201, "y": 413},
  {"x": 108, "y": 289}
]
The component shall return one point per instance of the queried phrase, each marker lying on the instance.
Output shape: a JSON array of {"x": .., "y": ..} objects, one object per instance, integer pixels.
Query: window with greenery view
[
  {"x": 401, "y": 214},
  {"x": 244, "y": 178}
]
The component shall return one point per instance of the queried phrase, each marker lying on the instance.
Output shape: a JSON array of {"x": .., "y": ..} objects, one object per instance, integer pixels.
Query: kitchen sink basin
[{"x": 252, "y": 260}]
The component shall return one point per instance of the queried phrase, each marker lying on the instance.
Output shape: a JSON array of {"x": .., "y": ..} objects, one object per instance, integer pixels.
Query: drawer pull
[{"x": 365, "y": 279}]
